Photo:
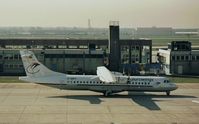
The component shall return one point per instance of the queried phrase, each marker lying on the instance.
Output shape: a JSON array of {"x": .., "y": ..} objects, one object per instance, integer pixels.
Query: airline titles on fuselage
[{"x": 140, "y": 79}]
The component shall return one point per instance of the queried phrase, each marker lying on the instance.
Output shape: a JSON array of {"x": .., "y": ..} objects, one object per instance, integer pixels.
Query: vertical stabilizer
[{"x": 33, "y": 67}]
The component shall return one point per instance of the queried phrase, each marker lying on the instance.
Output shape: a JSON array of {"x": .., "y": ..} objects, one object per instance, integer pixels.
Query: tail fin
[{"x": 33, "y": 67}]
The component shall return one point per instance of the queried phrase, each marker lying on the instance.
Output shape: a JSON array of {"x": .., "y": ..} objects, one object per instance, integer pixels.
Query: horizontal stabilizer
[{"x": 105, "y": 75}]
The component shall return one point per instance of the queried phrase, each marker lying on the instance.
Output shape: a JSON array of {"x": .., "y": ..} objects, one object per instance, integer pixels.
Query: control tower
[{"x": 114, "y": 52}]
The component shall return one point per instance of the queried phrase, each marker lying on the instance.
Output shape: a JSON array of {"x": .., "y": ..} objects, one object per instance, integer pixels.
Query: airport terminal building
[
  {"x": 179, "y": 59},
  {"x": 77, "y": 56}
]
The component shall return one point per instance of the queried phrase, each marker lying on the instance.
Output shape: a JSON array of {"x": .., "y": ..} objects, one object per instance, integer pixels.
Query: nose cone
[{"x": 174, "y": 86}]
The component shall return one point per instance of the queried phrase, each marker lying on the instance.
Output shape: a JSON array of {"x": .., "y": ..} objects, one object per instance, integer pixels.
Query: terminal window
[
  {"x": 178, "y": 57},
  {"x": 182, "y": 57},
  {"x": 8, "y": 57},
  {"x": 83, "y": 46},
  {"x": 62, "y": 46},
  {"x": 125, "y": 54},
  {"x": 16, "y": 56},
  {"x": 193, "y": 57},
  {"x": 135, "y": 54},
  {"x": 173, "y": 58},
  {"x": 72, "y": 47},
  {"x": 197, "y": 57},
  {"x": 187, "y": 57}
]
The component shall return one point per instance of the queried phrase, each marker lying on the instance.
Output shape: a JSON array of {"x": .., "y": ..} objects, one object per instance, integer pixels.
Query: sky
[{"x": 75, "y": 13}]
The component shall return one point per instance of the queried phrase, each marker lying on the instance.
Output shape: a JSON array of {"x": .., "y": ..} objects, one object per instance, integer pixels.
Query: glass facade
[
  {"x": 135, "y": 54},
  {"x": 125, "y": 54},
  {"x": 145, "y": 54}
]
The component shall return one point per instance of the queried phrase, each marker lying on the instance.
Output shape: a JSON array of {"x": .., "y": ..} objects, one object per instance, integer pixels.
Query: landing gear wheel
[
  {"x": 168, "y": 93},
  {"x": 107, "y": 93}
]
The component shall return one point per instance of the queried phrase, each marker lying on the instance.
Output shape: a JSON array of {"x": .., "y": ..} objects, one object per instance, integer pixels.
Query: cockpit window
[{"x": 166, "y": 81}]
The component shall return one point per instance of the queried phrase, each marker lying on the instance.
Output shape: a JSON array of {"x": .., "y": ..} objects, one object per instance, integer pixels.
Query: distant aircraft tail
[{"x": 33, "y": 67}]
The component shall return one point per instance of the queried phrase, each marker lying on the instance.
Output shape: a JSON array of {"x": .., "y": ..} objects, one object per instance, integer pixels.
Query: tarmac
[{"x": 28, "y": 103}]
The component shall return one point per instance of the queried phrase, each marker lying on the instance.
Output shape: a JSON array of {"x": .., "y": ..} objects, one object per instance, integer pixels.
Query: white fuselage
[{"x": 93, "y": 83}]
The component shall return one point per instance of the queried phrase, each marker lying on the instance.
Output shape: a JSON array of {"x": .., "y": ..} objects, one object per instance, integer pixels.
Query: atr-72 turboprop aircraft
[{"x": 105, "y": 81}]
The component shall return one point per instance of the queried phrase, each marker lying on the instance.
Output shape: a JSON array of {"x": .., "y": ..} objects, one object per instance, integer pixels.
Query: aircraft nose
[{"x": 175, "y": 86}]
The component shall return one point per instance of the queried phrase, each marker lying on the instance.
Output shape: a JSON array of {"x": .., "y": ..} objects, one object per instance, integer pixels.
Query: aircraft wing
[{"x": 105, "y": 75}]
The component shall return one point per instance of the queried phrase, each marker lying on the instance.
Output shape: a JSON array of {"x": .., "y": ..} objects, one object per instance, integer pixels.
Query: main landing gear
[
  {"x": 107, "y": 93},
  {"x": 168, "y": 93}
]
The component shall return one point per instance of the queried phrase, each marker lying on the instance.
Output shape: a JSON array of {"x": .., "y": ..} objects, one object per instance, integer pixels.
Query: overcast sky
[{"x": 70, "y": 13}]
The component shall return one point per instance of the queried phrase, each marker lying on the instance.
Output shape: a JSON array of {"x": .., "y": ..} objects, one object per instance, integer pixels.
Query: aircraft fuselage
[{"x": 93, "y": 83}]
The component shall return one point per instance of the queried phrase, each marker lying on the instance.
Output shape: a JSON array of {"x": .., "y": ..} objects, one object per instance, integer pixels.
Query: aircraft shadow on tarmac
[{"x": 145, "y": 100}]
